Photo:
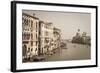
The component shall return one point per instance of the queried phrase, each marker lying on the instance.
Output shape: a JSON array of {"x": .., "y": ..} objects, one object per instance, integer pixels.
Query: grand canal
[{"x": 72, "y": 52}]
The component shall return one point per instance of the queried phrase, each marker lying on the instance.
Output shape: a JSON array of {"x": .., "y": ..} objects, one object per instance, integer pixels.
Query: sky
[{"x": 67, "y": 22}]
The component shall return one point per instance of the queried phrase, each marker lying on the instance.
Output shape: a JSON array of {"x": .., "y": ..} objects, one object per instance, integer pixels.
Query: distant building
[
  {"x": 56, "y": 37},
  {"x": 30, "y": 26},
  {"x": 86, "y": 39},
  {"x": 77, "y": 37},
  {"x": 81, "y": 39}
]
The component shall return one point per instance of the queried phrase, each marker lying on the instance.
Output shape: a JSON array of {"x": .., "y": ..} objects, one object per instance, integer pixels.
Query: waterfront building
[
  {"x": 38, "y": 37},
  {"x": 56, "y": 37},
  {"x": 82, "y": 38},
  {"x": 46, "y": 35},
  {"x": 30, "y": 26}
]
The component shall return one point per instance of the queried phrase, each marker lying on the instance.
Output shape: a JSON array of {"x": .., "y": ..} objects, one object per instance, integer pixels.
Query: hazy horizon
[{"x": 68, "y": 22}]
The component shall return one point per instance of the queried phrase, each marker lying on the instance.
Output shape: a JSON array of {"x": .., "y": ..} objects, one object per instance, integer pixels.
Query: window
[
  {"x": 25, "y": 36},
  {"x": 36, "y": 49},
  {"x": 31, "y": 49},
  {"x": 24, "y": 50},
  {"x": 26, "y": 22},
  {"x": 31, "y": 23},
  {"x": 31, "y": 36},
  {"x": 31, "y": 43},
  {"x": 36, "y": 43},
  {"x": 36, "y": 26},
  {"x": 28, "y": 49},
  {"x": 36, "y": 36},
  {"x": 46, "y": 33},
  {"x": 23, "y": 20}
]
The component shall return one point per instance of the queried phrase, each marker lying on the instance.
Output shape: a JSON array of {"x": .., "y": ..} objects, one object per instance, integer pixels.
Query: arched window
[{"x": 24, "y": 50}]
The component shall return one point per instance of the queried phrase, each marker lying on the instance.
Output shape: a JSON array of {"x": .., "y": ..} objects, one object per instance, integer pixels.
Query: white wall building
[
  {"x": 46, "y": 36},
  {"x": 30, "y": 26},
  {"x": 38, "y": 37}
]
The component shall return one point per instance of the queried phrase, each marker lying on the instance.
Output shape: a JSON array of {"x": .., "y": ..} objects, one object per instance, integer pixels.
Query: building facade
[
  {"x": 46, "y": 37},
  {"x": 81, "y": 38},
  {"x": 56, "y": 37},
  {"x": 30, "y": 26},
  {"x": 38, "y": 37}
]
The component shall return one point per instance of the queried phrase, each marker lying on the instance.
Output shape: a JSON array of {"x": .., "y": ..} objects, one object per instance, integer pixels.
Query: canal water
[{"x": 72, "y": 52}]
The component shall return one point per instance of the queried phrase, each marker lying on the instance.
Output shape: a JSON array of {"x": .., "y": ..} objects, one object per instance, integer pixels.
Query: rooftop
[{"x": 30, "y": 16}]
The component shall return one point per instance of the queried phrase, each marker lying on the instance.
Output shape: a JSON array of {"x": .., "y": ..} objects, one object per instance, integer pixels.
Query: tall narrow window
[
  {"x": 31, "y": 23},
  {"x": 36, "y": 26}
]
